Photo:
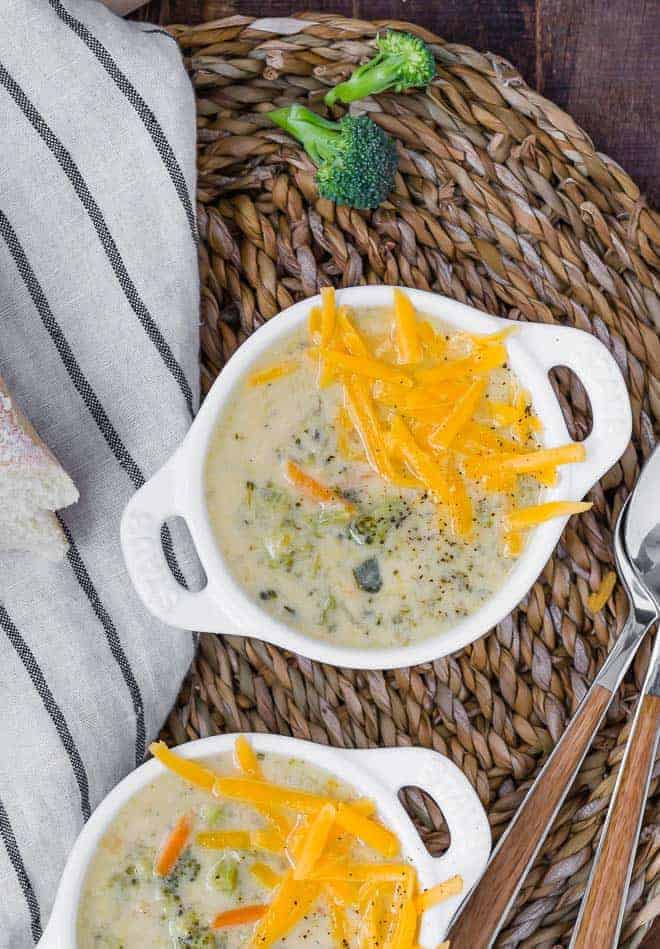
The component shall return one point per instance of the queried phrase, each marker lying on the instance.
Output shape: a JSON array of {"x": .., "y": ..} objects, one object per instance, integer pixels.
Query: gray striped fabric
[{"x": 99, "y": 343}]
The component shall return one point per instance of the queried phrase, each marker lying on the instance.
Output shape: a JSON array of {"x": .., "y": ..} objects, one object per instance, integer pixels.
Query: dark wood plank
[
  {"x": 598, "y": 59},
  {"x": 595, "y": 58}
]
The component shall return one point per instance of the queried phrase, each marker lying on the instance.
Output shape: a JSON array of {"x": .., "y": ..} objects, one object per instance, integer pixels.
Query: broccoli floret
[
  {"x": 356, "y": 160},
  {"x": 402, "y": 61},
  {"x": 186, "y": 870},
  {"x": 189, "y": 933}
]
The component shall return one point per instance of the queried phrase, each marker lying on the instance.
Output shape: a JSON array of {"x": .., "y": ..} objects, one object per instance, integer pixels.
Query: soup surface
[
  {"x": 126, "y": 905},
  {"x": 376, "y": 563}
]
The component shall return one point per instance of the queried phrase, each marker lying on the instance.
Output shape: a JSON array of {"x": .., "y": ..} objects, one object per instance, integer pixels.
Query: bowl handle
[
  {"x": 466, "y": 819},
  {"x": 147, "y": 567},
  {"x": 596, "y": 369}
]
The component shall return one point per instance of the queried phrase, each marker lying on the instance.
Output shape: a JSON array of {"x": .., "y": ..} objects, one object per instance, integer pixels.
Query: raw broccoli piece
[
  {"x": 356, "y": 160},
  {"x": 402, "y": 61}
]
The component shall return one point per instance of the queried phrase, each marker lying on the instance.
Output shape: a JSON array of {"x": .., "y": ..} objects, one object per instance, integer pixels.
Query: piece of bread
[{"x": 33, "y": 485}]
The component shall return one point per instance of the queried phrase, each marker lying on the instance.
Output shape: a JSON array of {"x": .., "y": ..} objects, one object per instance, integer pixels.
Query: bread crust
[{"x": 23, "y": 453}]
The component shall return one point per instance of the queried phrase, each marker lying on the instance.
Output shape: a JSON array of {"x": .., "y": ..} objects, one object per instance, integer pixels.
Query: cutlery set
[{"x": 484, "y": 912}]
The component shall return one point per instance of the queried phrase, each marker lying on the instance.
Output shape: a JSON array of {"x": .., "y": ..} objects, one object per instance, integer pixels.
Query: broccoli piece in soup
[
  {"x": 186, "y": 870},
  {"x": 188, "y": 933}
]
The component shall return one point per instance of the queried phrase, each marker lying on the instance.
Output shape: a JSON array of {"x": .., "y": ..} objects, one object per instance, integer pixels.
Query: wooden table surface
[{"x": 598, "y": 59}]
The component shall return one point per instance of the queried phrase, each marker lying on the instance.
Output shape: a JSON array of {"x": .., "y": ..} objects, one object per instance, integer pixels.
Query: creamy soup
[
  {"x": 371, "y": 562},
  {"x": 126, "y": 905}
]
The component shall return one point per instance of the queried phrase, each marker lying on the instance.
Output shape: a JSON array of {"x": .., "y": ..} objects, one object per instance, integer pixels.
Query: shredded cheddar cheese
[
  {"x": 384, "y": 896},
  {"x": 598, "y": 599},
  {"x": 421, "y": 405}
]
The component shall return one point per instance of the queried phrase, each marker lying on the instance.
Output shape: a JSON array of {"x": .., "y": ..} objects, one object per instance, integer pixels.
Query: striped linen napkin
[{"x": 99, "y": 344}]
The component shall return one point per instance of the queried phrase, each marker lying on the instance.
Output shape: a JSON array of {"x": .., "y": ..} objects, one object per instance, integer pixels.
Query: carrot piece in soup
[
  {"x": 173, "y": 847},
  {"x": 313, "y": 488},
  {"x": 239, "y": 916}
]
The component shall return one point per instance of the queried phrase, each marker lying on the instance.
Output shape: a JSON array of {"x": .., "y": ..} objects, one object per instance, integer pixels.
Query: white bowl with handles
[
  {"x": 224, "y": 607},
  {"x": 376, "y": 773}
]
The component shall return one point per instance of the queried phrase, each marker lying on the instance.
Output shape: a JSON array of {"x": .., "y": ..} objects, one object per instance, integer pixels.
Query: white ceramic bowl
[
  {"x": 223, "y": 607},
  {"x": 377, "y": 774}
]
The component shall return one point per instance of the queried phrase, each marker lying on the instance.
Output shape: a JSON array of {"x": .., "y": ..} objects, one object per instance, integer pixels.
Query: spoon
[
  {"x": 486, "y": 908},
  {"x": 601, "y": 913}
]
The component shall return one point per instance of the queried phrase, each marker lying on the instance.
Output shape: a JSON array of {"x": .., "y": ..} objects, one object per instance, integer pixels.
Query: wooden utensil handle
[
  {"x": 482, "y": 913},
  {"x": 604, "y": 902}
]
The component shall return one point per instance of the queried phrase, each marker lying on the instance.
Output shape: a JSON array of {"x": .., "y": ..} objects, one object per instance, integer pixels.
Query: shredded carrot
[
  {"x": 190, "y": 771},
  {"x": 265, "y": 875},
  {"x": 313, "y": 488},
  {"x": 598, "y": 599},
  {"x": 225, "y": 840},
  {"x": 263, "y": 376},
  {"x": 438, "y": 893},
  {"x": 315, "y": 841},
  {"x": 538, "y": 513},
  {"x": 407, "y": 339},
  {"x": 246, "y": 758},
  {"x": 239, "y": 917},
  {"x": 173, "y": 847}
]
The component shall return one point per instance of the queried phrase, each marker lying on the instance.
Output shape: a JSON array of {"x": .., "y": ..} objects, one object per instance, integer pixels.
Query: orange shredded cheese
[
  {"x": 246, "y": 758},
  {"x": 365, "y": 366},
  {"x": 314, "y": 842},
  {"x": 264, "y": 376},
  {"x": 406, "y": 332},
  {"x": 460, "y": 415},
  {"x": 190, "y": 771},
  {"x": 225, "y": 840},
  {"x": 538, "y": 513},
  {"x": 438, "y": 893},
  {"x": 598, "y": 599},
  {"x": 327, "y": 314},
  {"x": 265, "y": 875}
]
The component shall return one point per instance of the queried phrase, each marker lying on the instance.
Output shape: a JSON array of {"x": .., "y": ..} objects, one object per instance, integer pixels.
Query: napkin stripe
[
  {"x": 114, "y": 642},
  {"x": 70, "y": 362},
  {"x": 82, "y": 386},
  {"x": 72, "y": 172},
  {"x": 146, "y": 115},
  {"x": 33, "y": 669},
  {"x": 16, "y": 860}
]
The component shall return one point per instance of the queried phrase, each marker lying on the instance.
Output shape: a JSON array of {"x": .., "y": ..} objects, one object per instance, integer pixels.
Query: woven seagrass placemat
[{"x": 501, "y": 201}]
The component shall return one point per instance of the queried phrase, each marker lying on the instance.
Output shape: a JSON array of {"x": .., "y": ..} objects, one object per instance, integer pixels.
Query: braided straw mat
[{"x": 502, "y": 202}]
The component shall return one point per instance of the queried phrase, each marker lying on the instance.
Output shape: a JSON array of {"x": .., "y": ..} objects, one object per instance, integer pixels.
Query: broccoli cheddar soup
[
  {"x": 249, "y": 850},
  {"x": 371, "y": 481}
]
